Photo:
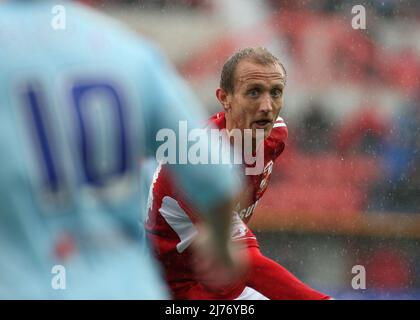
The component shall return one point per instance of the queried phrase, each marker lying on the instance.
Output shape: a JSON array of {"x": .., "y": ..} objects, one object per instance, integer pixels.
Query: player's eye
[
  {"x": 276, "y": 93},
  {"x": 253, "y": 92}
]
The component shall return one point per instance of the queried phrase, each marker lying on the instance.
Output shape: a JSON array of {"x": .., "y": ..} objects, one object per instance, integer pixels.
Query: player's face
[{"x": 257, "y": 98}]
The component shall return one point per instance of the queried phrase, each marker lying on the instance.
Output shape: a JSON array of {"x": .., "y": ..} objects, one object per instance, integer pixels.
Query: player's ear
[{"x": 223, "y": 98}]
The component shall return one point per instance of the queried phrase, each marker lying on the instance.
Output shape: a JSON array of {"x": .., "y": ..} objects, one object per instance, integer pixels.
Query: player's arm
[{"x": 276, "y": 282}]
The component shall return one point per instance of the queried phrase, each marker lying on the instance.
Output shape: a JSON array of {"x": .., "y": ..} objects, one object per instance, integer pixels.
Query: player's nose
[{"x": 265, "y": 104}]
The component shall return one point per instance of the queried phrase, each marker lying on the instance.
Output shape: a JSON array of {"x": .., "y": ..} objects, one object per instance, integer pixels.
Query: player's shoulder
[
  {"x": 276, "y": 141},
  {"x": 279, "y": 132},
  {"x": 116, "y": 32},
  {"x": 218, "y": 120}
]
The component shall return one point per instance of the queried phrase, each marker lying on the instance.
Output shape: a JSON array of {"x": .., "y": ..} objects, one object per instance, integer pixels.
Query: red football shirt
[{"x": 171, "y": 221}]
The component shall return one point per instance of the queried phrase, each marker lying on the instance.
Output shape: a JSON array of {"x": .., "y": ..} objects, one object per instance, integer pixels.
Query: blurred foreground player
[
  {"x": 79, "y": 107},
  {"x": 251, "y": 93}
]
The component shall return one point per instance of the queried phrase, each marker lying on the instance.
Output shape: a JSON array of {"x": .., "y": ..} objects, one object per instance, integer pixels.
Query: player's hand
[{"x": 218, "y": 265}]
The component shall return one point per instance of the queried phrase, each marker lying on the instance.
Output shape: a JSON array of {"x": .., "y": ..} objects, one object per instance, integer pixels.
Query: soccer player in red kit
[{"x": 251, "y": 93}]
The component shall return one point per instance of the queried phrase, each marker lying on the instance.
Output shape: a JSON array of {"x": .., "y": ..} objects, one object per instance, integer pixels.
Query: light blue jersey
[{"x": 79, "y": 109}]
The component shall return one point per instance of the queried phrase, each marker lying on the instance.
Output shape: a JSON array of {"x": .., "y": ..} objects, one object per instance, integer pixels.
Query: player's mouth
[{"x": 263, "y": 123}]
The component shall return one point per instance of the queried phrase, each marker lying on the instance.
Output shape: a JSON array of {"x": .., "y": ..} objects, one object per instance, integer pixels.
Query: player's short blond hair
[{"x": 258, "y": 55}]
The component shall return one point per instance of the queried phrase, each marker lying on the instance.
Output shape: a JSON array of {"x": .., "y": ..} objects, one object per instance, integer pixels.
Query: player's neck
[{"x": 230, "y": 125}]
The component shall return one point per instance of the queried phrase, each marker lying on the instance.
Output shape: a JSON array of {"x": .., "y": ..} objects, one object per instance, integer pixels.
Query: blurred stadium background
[{"x": 346, "y": 191}]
